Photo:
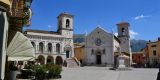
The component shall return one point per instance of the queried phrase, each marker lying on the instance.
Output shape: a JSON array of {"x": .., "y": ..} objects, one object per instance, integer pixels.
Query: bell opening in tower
[
  {"x": 67, "y": 23},
  {"x": 123, "y": 31}
]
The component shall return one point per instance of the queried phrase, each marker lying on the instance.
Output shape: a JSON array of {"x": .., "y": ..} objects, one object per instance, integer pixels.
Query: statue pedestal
[{"x": 121, "y": 61}]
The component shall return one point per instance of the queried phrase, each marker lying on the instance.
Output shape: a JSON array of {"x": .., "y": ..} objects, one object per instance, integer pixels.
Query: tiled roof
[{"x": 65, "y": 14}]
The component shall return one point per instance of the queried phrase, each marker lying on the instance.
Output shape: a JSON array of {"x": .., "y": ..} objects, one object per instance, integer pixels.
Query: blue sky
[{"x": 143, "y": 15}]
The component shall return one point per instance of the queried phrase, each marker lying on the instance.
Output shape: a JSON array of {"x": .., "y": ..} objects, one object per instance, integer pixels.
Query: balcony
[{"x": 50, "y": 53}]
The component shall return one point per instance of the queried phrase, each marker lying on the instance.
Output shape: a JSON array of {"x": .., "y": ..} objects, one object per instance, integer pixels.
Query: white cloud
[
  {"x": 141, "y": 17},
  {"x": 133, "y": 34},
  {"x": 50, "y": 26}
]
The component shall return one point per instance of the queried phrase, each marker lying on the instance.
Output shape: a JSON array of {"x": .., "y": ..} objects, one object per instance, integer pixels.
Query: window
[
  {"x": 123, "y": 29},
  {"x": 154, "y": 52},
  {"x": 33, "y": 44},
  {"x": 104, "y": 51},
  {"x": 49, "y": 47},
  {"x": 58, "y": 47},
  {"x": 41, "y": 47},
  {"x": 67, "y": 23},
  {"x": 92, "y": 51},
  {"x": 154, "y": 46}
]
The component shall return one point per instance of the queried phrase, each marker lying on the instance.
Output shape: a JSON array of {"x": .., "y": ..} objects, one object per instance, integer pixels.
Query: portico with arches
[{"x": 54, "y": 46}]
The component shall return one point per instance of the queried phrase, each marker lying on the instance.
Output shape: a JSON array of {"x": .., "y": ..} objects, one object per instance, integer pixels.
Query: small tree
[
  {"x": 54, "y": 71},
  {"x": 40, "y": 71}
]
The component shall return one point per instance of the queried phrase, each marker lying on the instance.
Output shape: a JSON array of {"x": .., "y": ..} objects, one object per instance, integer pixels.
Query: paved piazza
[{"x": 103, "y": 73}]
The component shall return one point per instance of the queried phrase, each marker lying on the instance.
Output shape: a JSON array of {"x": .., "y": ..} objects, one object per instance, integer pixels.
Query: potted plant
[
  {"x": 40, "y": 72},
  {"x": 13, "y": 71},
  {"x": 54, "y": 71},
  {"x": 27, "y": 72}
]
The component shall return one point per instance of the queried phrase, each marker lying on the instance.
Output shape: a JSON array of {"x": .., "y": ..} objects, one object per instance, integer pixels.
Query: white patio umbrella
[{"x": 20, "y": 49}]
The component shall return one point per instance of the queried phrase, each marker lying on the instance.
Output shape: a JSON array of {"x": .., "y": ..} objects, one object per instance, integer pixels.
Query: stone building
[
  {"x": 79, "y": 52},
  {"x": 102, "y": 47},
  {"x": 138, "y": 58},
  {"x": 53, "y": 46},
  {"x": 152, "y": 53}
]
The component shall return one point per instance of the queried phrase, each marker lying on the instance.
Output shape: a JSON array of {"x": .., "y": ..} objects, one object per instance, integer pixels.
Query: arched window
[
  {"x": 33, "y": 44},
  {"x": 49, "y": 47},
  {"x": 41, "y": 47},
  {"x": 67, "y": 23},
  {"x": 123, "y": 31},
  {"x": 58, "y": 47},
  {"x": 92, "y": 51},
  {"x": 104, "y": 51}
]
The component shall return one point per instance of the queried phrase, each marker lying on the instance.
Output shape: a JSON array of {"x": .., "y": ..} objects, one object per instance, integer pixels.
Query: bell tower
[
  {"x": 124, "y": 37},
  {"x": 65, "y": 25},
  {"x": 65, "y": 29}
]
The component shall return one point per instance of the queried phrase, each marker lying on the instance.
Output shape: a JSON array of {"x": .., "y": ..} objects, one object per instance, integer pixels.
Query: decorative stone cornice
[
  {"x": 43, "y": 37},
  {"x": 65, "y": 14}
]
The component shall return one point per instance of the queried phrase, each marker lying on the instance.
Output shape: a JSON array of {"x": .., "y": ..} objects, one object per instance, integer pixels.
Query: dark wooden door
[{"x": 98, "y": 59}]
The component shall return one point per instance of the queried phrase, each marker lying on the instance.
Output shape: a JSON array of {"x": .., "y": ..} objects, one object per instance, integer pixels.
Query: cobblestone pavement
[{"x": 103, "y": 73}]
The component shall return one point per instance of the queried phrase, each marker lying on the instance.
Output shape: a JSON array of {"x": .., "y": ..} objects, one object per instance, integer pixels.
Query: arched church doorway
[{"x": 98, "y": 59}]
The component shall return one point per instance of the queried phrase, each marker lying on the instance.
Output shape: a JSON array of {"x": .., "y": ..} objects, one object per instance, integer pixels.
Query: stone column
[
  {"x": 37, "y": 48},
  {"x": 45, "y": 47},
  {"x": 45, "y": 59},
  {"x": 72, "y": 45},
  {"x": 3, "y": 41},
  {"x": 53, "y": 46},
  {"x": 36, "y": 51},
  {"x": 60, "y": 48}
]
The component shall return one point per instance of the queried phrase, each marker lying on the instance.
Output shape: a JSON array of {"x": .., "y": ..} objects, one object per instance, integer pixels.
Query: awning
[
  {"x": 20, "y": 49},
  {"x": 5, "y": 3}
]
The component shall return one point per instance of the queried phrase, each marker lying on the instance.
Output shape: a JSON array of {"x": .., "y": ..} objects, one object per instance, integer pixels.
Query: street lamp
[{"x": 28, "y": 3}]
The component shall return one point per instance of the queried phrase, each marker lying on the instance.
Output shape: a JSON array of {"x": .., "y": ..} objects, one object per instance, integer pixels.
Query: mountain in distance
[
  {"x": 79, "y": 38},
  {"x": 136, "y": 45}
]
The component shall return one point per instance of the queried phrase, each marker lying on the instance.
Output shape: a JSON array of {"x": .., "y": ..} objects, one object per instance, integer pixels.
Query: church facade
[
  {"x": 53, "y": 46},
  {"x": 102, "y": 47}
]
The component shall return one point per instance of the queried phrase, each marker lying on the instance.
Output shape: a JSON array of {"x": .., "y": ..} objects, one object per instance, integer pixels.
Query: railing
[
  {"x": 49, "y": 53},
  {"x": 78, "y": 62}
]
